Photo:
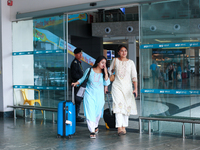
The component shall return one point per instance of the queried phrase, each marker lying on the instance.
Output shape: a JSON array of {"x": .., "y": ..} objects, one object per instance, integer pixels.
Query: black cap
[{"x": 77, "y": 50}]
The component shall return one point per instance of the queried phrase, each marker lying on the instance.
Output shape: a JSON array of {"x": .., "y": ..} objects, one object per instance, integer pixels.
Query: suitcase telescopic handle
[
  {"x": 73, "y": 97},
  {"x": 109, "y": 105}
]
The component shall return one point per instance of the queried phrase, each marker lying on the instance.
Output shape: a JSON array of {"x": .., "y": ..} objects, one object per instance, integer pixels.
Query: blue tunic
[{"x": 93, "y": 100}]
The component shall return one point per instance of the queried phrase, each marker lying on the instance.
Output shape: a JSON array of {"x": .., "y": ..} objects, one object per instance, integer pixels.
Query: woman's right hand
[
  {"x": 105, "y": 70},
  {"x": 75, "y": 84},
  {"x": 106, "y": 73}
]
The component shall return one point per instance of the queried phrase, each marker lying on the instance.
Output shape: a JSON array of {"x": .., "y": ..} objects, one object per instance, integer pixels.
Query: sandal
[
  {"x": 124, "y": 130},
  {"x": 123, "y": 133},
  {"x": 120, "y": 133},
  {"x": 96, "y": 130},
  {"x": 92, "y": 135}
]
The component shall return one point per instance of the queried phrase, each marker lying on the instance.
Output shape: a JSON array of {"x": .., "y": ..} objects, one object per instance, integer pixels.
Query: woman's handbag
[
  {"x": 112, "y": 77},
  {"x": 81, "y": 90}
]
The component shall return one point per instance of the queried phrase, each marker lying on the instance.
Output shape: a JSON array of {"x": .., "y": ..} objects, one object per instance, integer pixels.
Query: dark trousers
[
  {"x": 77, "y": 102},
  {"x": 154, "y": 75},
  {"x": 188, "y": 74},
  {"x": 170, "y": 74}
]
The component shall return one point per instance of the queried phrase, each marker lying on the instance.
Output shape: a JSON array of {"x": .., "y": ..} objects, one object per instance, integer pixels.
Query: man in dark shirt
[{"x": 76, "y": 74}]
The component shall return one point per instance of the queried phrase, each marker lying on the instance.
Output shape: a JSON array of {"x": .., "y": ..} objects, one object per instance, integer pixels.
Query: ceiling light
[{"x": 107, "y": 42}]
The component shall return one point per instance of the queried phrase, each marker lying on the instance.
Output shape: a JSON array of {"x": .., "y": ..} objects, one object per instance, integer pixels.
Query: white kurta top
[{"x": 122, "y": 89}]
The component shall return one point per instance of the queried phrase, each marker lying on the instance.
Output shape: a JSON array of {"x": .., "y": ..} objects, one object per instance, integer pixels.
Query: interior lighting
[
  {"x": 107, "y": 42},
  {"x": 124, "y": 42},
  {"x": 190, "y": 40},
  {"x": 162, "y": 41}
]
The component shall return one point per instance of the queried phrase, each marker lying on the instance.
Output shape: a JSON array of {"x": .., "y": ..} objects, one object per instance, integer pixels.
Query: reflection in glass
[{"x": 169, "y": 81}]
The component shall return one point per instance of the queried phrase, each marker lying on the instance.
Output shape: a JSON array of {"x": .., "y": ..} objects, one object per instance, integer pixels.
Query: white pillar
[
  {"x": 132, "y": 49},
  {"x": 6, "y": 89}
]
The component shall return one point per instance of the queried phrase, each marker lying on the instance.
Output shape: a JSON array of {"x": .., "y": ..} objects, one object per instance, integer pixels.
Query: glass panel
[
  {"x": 169, "y": 86},
  {"x": 50, "y": 60},
  {"x": 23, "y": 70},
  {"x": 165, "y": 22},
  {"x": 39, "y": 64},
  {"x": 104, "y": 39},
  {"x": 165, "y": 68},
  {"x": 23, "y": 36},
  {"x": 79, "y": 35},
  {"x": 49, "y": 70}
]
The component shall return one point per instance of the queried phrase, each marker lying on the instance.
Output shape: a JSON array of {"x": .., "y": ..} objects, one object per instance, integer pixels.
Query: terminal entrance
[{"x": 172, "y": 65}]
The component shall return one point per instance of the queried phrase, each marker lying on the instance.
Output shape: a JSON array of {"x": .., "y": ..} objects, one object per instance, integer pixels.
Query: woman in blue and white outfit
[{"x": 93, "y": 100}]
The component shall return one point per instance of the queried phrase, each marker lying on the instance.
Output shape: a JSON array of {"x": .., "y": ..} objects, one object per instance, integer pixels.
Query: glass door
[
  {"x": 169, "y": 56},
  {"x": 39, "y": 64}
]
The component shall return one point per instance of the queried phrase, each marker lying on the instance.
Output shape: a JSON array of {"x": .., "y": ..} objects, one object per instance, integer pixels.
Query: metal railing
[
  {"x": 192, "y": 120},
  {"x": 44, "y": 109}
]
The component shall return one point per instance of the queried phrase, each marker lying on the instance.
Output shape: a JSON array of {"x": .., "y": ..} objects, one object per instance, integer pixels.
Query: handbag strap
[
  {"x": 83, "y": 84},
  {"x": 88, "y": 74}
]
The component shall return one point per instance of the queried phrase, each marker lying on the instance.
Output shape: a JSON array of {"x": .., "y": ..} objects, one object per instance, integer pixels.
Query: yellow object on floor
[
  {"x": 31, "y": 102},
  {"x": 107, "y": 127}
]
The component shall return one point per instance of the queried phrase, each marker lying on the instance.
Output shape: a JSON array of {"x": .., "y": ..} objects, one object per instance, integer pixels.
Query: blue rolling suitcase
[{"x": 66, "y": 122}]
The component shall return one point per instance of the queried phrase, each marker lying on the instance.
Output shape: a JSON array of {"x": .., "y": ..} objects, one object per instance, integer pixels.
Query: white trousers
[
  {"x": 92, "y": 125},
  {"x": 121, "y": 120}
]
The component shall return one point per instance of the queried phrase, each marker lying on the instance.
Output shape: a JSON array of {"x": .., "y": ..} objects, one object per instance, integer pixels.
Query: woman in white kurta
[
  {"x": 124, "y": 103},
  {"x": 93, "y": 100}
]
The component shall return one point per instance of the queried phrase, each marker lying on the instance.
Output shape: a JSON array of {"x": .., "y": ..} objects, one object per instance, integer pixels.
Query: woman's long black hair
[{"x": 97, "y": 61}]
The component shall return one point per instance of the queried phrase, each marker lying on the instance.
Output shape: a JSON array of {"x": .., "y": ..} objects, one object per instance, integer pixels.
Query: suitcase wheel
[
  {"x": 68, "y": 137},
  {"x": 58, "y": 136}
]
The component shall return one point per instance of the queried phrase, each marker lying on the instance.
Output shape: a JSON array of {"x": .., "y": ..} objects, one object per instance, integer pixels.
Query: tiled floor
[
  {"x": 25, "y": 135},
  {"x": 28, "y": 135}
]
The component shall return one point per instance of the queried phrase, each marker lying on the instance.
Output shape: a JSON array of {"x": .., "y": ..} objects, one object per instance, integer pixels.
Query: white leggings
[
  {"x": 121, "y": 120},
  {"x": 92, "y": 125}
]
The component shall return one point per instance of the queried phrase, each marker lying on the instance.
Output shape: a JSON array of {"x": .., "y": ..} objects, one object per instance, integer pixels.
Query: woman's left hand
[
  {"x": 75, "y": 84},
  {"x": 136, "y": 94}
]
